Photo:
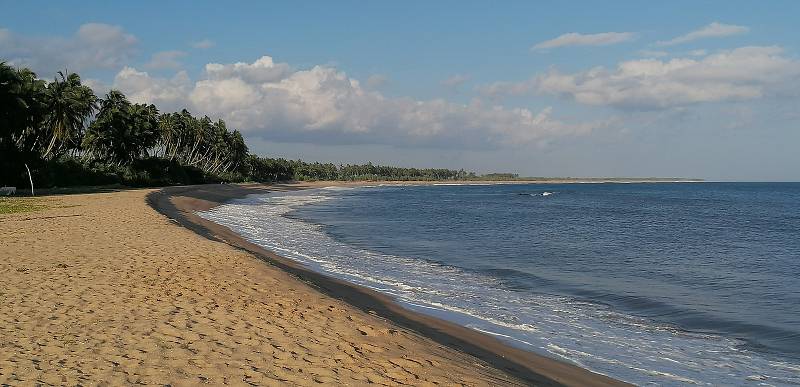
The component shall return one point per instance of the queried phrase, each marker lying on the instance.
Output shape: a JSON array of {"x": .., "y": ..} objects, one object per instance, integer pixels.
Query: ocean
[{"x": 664, "y": 284}]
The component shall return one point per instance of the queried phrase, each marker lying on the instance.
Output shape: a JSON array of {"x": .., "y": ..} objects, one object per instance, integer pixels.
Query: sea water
[{"x": 665, "y": 284}]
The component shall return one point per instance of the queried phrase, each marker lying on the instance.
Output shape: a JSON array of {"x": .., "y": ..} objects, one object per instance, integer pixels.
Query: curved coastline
[{"x": 180, "y": 204}]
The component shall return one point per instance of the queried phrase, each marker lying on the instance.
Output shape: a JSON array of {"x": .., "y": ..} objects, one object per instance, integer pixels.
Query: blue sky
[{"x": 695, "y": 89}]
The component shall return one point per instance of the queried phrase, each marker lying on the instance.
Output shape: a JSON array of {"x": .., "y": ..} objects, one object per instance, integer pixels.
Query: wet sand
[{"x": 100, "y": 289}]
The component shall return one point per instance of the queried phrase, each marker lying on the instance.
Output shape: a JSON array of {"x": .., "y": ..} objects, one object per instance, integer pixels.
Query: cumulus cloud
[
  {"x": 263, "y": 70},
  {"x": 713, "y": 30},
  {"x": 203, "y": 44},
  {"x": 740, "y": 74},
  {"x": 140, "y": 87},
  {"x": 376, "y": 81},
  {"x": 578, "y": 39},
  {"x": 100, "y": 88},
  {"x": 93, "y": 46},
  {"x": 166, "y": 60},
  {"x": 323, "y": 105}
]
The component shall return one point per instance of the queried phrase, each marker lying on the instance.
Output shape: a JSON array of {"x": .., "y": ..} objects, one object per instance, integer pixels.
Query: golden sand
[{"x": 101, "y": 289}]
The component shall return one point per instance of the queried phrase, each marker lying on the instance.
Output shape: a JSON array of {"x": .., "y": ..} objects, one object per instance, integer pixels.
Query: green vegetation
[
  {"x": 266, "y": 169},
  {"x": 501, "y": 176},
  {"x": 67, "y": 136},
  {"x": 15, "y": 205}
]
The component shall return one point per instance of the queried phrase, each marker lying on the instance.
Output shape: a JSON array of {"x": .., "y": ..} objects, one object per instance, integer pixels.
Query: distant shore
[{"x": 181, "y": 204}]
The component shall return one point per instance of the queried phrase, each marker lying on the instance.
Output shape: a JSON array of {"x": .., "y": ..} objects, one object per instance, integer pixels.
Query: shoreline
[
  {"x": 99, "y": 288},
  {"x": 181, "y": 203}
]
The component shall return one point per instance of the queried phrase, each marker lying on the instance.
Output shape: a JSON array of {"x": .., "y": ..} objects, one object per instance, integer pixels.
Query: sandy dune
[{"x": 101, "y": 289}]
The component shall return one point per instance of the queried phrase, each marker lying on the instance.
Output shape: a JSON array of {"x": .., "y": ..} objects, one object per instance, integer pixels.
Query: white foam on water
[
  {"x": 500, "y": 335},
  {"x": 593, "y": 336},
  {"x": 339, "y": 188}
]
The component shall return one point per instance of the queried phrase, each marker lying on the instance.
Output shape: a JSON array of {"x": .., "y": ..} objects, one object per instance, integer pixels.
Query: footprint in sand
[{"x": 368, "y": 330}]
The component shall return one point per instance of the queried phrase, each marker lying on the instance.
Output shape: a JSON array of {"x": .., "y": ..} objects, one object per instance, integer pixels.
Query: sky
[{"x": 700, "y": 89}]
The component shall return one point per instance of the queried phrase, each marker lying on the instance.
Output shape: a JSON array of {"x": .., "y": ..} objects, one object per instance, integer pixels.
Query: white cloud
[
  {"x": 262, "y": 70},
  {"x": 506, "y": 88},
  {"x": 578, "y": 39},
  {"x": 166, "y": 60},
  {"x": 455, "y": 81},
  {"x": 740, "y": 74},
  {"x": 203, "y": 44},
  {"x": 93, "y": 46},
  {"x": 100, "y": 88},
  {"x": 713, "y": 30},
  {"x": 653, "y": 53},
  {"x": 376, "y": 81},
  {"x": 323, "y": 105},
  {"x": 140, "y": 87}
]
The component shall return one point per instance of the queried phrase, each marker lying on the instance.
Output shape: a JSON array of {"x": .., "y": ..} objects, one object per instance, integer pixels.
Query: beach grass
[{"x": 17, "y": 205}]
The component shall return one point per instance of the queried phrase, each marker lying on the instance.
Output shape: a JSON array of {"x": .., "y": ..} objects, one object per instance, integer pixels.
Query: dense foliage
[
  {"x": 319, "y": 171},
  {"x": 68, "y": 136}
]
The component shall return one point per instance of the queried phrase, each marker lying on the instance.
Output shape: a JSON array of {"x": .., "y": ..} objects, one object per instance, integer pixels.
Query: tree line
[
  {"x": 268, "y": 169},
  {"x": 66, "y": 135}
]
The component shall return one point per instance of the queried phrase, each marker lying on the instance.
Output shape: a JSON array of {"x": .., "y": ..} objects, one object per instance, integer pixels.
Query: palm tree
[
  {"x": 68, "y": 105},
  {"x": 104, "y": 138},
  {"x": 12, "y": 121},
  {"x": 199, "y": 132},
  {"x": 237, "y": 150},
  {"x": 169, "y": 139},
  {"x": 122, "y": 132},
  {"x": 142, "y": 133},
  {"x": 187, "y": 125},
  {"x": 28, "y": 111},
  {"x": 15, "y": 106},
  {"x": 20, "y": 114}
]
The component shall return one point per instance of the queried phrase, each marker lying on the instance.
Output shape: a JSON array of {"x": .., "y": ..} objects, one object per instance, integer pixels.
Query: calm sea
[{"x": 649, "y": 283}]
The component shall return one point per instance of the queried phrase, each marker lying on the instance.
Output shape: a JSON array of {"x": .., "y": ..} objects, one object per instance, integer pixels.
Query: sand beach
[{"x": 130, "y": 287}]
